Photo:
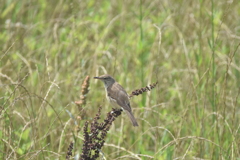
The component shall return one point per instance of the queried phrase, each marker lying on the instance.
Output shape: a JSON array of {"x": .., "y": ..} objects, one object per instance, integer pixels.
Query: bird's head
[{"x": 107, "y": 79}]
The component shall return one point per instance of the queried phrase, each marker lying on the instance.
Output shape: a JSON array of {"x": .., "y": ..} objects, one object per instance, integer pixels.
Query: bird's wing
[{"x": 118, "y": 93}]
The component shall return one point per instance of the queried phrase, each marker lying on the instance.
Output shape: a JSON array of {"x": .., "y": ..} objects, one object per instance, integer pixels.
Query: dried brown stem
[
  {"x": 69, "y": 152},
  {"x": 141, "y": 90},
  {"x": 83, "y": 96},
  {"x": 94, "y": 139},
  {"x": 84, "y": 91}
]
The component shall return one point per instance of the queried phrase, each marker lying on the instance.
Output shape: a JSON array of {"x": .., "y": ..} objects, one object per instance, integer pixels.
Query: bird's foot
[{"x": 116, "y": 112}]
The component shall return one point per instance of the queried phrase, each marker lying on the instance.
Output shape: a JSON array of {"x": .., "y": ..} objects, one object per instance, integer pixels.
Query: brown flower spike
[
  {"x": 141, "y": 90},
  {"x": 84, "y": 92},
  {"x": 94, "y": 138}
]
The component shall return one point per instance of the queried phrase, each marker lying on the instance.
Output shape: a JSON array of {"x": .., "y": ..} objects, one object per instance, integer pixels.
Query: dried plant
[
  {"x": 69, "y": 152},
  {"x": 141, "y": 90},
  {"x": 94, "y": 138},
  {"x": 83, "y": 94},
  {"x": 82, "y": 101}
]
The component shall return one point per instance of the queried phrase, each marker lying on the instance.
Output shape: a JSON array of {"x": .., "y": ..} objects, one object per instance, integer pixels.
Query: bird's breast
[{"x": 112, "y": 101}]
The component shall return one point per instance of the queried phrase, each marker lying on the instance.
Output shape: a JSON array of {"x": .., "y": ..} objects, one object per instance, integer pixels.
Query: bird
[{"x": 117, "y": 96}]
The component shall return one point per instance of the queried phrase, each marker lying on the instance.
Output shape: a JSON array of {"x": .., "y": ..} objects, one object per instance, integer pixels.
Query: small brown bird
[{"x": 117, "y": 96}]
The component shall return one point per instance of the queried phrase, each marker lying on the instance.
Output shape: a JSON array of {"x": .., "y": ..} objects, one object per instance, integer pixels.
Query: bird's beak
[{"x": 96, "y": 78}]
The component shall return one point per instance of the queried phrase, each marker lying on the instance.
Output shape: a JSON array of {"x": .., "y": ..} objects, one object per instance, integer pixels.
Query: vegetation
[{"x": 191, "y": 48}]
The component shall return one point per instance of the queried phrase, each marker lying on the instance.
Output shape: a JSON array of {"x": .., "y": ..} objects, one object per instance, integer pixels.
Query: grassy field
[{"x": 190, "y": 47}]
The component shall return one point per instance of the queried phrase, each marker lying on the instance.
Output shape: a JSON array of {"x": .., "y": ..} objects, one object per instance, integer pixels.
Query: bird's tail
[{"x": 132, "y": 118}]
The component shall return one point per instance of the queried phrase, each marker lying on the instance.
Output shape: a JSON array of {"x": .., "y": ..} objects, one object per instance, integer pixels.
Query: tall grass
[{"x": 190, "y": 47}]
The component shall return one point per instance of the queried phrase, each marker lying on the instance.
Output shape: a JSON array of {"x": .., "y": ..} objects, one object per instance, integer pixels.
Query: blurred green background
[{"x": 189, "y": 47}]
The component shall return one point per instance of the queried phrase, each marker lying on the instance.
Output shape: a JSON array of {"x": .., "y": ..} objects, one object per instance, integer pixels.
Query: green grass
[{"x": 190, "y": 47}]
